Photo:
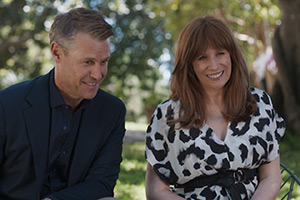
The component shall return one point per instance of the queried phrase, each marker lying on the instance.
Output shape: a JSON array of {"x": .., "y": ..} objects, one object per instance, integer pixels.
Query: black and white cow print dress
[{"x": 180, "y": 155}]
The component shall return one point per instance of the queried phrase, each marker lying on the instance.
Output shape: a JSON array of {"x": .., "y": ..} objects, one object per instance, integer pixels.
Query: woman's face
[{"x": 213, "y": 69}]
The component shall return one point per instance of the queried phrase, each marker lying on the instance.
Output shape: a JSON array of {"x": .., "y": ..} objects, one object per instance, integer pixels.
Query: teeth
[
  {"x": 91, "y": 84},
  {"x": 213, "y": 76}
]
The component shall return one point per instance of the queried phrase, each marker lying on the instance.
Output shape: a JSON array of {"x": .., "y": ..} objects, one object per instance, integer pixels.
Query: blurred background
[{"x": 142, "y": 57}]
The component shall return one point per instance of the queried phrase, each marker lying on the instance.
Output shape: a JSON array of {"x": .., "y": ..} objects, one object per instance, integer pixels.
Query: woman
[{"x": 215, "y": 138}]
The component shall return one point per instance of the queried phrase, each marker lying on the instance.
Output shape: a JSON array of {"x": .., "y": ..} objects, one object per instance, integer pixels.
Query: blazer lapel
[{"x": 37, "y": 118}]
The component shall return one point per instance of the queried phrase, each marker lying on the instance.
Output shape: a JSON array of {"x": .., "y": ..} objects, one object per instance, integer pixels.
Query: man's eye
[
  {"x": 104, "y": 62},
  {"x": 89, "y": 62}
]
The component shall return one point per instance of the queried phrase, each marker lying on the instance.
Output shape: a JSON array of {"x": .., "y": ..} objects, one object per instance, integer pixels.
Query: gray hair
[{"x": 66, "y": 25}]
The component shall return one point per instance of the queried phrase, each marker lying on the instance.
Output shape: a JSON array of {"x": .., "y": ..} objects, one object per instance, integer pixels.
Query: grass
[
  {"x": 131, "y": 182},
  {"x": 286, "y": 187},
  {"x": 290, "y": 150}
]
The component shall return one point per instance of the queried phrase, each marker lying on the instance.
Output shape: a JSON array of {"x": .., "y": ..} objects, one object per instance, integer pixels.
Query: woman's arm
[
  {"x": 269, "y": 181},
  {"x": 156, "y": 189}
]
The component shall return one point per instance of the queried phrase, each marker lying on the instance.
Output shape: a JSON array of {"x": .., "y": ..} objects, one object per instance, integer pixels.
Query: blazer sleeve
[
  {"x": 2, "y": 137},
  {"x": 103, "y": 173}
]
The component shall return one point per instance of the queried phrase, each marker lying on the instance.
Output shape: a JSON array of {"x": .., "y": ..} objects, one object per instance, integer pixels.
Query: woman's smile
[{"x": 215, "y": 76}]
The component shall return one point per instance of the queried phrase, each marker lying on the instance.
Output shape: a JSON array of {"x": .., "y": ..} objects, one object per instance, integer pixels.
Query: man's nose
[{"x": 98, "y": 72}]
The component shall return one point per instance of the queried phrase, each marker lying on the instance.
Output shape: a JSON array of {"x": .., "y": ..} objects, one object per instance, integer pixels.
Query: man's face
[{"x": 80, "y": 71}]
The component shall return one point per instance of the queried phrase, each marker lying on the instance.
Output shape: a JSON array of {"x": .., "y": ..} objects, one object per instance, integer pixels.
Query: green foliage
[
  {"x": 290, "y": 141},
  {"x": 23, "y": 37},
  {"x": 144, "y": 30},
  {"x": 289, "y": 155},
  {"x": 290, "y": 150},
  {"x": 154, "y": 99},
  {"x": 253, "y": 21},
  {"x": 136, "y": 48}
]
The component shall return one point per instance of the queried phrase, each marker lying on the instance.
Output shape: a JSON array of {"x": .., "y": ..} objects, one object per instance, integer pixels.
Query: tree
[
  {"x": 136, "y": 47},
  {"x": 144, "y": 30},
  {"x": 247, "y": 19},
  {"x": 23, "y": 37},
  {"x": 286, "y": 47}
]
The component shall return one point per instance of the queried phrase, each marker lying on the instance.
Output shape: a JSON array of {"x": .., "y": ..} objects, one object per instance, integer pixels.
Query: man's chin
[{"x": 90, "y": 96}]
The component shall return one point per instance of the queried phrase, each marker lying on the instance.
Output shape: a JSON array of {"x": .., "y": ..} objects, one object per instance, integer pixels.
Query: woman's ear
[{"x": 56, "y": 52}]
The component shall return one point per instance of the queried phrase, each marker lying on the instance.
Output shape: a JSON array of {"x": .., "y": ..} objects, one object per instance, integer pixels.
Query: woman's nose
[{"x": 213, "y": 63}]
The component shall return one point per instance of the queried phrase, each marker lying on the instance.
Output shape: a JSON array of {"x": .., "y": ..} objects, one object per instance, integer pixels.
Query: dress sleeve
[
  {"x": 276, "y": 128},
  {"x": 277, "y": 131},
  {"x": 157, "y": 149}
]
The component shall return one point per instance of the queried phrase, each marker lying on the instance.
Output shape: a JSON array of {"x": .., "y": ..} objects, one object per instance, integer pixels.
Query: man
[{"x": 60, "y": 135}]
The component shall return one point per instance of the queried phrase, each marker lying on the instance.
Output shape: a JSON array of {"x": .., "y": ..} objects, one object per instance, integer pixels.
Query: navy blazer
[{"x": 24, "y": 137}]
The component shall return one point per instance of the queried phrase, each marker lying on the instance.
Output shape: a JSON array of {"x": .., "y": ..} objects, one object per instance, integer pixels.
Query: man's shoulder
[
  {"x": 21, "y": 89},
  {"x": 108, "y": 99},
  {"x": 15, "y": 90}
]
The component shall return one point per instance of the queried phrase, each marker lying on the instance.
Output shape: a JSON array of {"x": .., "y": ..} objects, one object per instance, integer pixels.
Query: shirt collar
[{"x": 55, "y": 97}]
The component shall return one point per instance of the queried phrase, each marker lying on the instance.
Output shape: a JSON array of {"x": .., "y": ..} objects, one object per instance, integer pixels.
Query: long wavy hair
[{"x": 193, "y": 41}]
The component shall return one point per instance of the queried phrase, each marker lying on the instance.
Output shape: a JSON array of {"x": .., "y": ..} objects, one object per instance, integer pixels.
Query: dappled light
[
  {"x": 142, "y": 58},
  {"x": 144, "y": 41}
]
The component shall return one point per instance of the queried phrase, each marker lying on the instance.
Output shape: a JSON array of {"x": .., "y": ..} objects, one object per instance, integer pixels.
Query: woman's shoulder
[
  {"x": 261, "y": 96},
  {"x": 257, "y": 91},
  {"x": 167, "y": 108},
  {"x": 169, "y": 103}
]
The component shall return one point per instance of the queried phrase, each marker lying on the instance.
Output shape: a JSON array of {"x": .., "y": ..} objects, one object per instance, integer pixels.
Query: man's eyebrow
[
  {"x": 92, "y": 58},
  {"x": 107, "y": 58},
  {"x": 88, "y": 58}
]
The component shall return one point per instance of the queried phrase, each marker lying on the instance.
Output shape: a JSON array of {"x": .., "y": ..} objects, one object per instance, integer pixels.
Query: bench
[{"x": 290, "y": 187}]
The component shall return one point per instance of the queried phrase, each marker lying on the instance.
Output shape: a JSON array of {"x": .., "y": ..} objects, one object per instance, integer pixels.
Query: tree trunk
[{"x": 286, "y": 48}]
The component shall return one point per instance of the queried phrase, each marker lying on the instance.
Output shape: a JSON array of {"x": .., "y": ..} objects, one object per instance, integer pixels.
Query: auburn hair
[{"x": 193, "y": 41}]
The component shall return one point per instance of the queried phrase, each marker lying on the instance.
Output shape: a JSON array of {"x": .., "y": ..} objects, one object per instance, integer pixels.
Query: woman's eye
[
  {"x": 202, "y": 57},
  {"x": 220, "y": 53}
]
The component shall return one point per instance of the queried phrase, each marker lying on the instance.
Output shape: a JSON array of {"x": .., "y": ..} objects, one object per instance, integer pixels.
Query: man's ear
[{"x": 56, "y": 52}]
